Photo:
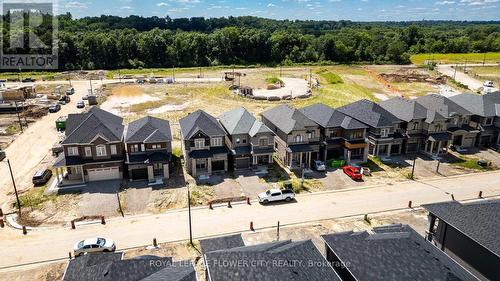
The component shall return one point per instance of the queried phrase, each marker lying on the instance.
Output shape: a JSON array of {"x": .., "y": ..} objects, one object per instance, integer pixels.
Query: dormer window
[
  {"x": 384, "y": 132},
  {"x": 101, "y": 150},
  {"x": 73, "y": 151},
  {"x": 199, "y": 143},
  {"x": 216, "y": 141},
  {"x": 488, "y": 121},
  {"x": 299, "y": 138}
]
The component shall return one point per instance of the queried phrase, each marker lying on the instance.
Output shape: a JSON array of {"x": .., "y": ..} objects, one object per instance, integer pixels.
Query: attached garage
[
  {"x": 218, "y": 165},
  {"x": 241, "y": 163},
  {"x": 100, "y": 174},
  {"x": 139, "y": 174}
]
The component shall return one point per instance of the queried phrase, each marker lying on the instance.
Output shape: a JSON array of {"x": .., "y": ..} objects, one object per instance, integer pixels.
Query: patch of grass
[
  {"x": 332, "y": 78},
  {"x": 177, "y": 152},
  {"x": 13, "y": 129},
  {"x": 458, "y": 84},
  {"x": 34, "y": 198},
  {"x": 492, "y": 57},
  {"x": 273, "y": 80},
  {"x": 470, "y": 163},
  {"x": 201, "y": 195}
]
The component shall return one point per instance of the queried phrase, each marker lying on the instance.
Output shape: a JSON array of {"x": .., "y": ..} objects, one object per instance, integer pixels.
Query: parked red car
[{"x": 352, "y": 172}]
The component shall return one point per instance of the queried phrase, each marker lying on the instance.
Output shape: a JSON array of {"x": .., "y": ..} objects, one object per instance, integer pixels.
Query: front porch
[{"x": 437, "y": 144}]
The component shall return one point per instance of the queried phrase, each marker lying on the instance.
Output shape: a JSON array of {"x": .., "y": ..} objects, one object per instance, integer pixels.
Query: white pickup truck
[{"x": 273, "y": 195}]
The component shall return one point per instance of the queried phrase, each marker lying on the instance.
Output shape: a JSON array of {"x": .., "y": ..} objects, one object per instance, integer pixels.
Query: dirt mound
[
  {"x": 127, "y": 91},
  {"x": 35, "y": 112},
  {"x": 406, "y": 76}
]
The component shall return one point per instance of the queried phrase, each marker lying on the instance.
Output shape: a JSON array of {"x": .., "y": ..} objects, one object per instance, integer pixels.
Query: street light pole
[
  {"x": 413, "y": 167},
  {"x": 189, "y": 214},
  {"x": 15, "y": 188}
]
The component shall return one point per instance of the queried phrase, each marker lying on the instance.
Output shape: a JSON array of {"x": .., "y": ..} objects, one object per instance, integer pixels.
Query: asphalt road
[{"x": 54, "y": 243}]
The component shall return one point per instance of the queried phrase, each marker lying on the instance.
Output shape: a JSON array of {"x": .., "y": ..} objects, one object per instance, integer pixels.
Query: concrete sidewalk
[{"x": 135, "y": 231}]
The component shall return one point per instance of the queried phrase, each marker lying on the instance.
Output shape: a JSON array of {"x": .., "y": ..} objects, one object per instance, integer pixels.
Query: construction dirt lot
[{"x": 182, "y": 251}]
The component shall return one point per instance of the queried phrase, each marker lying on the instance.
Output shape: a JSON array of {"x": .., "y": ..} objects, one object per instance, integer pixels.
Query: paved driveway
[
  {"x": 251, "y": 184},
  {"x": 100, "y": 199}
]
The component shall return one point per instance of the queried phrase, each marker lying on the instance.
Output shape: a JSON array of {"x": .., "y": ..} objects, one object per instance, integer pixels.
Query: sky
[{"x": 356, "y": 10}]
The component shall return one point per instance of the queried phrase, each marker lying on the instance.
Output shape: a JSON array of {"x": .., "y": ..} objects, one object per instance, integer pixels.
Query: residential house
[
  {"x": 148, "y": 144},
  {"x": 342, "y": 137},
  {"x": 228, "y": 259},
  {"x": 426, "y": 129},
  {"x": 250, "y": 141},
  {"x": 390, "y": 253},
  {"x": 458, "y": 119},
  {"x": 486, "y": 118},
  {"x": 112, "y": 266},
  {"x": 297, "y": 138},
  {"x": 385, "y": 134},
  {"x": 203, "y": 143},
  {"x": 469, "y": 233},
  {"x": 93, "y": 148}
]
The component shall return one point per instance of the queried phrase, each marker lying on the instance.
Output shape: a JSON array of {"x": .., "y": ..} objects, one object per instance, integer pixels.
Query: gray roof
[
  {"x": 327, "y": 117},
  {"x": 200, "y": 120},
  {"x": 221, "y": 243},
  {"x": 111, "y": 267},
  {"x": 288, "y": 119},
  {"x": 441, "y": 105},
  {"x": 394, "y": 252},
  {"x": 278, "y": 261},
  {"x": 478, "y": 220},
  {"x": 84, "y": 127},
  {"x": 369, "y": 113},
  {"x": 404, "y": 109},
  {"x": 240, "y": 121},
  {"x": 148, "y": 129},
  {"x": 483, "y": 105}
]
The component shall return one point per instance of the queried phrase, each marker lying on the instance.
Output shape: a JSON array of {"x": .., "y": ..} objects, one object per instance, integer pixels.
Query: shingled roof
[
  {"x": 483, "y": 105},
  {"x": 221, "y": 243},
  {"x": 369, "y": 113},
  {"x": 479, "y": 220},
  {"x": 148, "y": 129},
  {"x": 240, "y": 121},
  {"x": 288, "y": 119},
  {"x": 327, "y": 117},
  {"x": 84, "y": 127},
  {"x": 111, "y": 267},
  {"x": 277, "y": 261},
  {"x": 200, "y": 121},
  {"x": 393, "y": 253},
  {"x": 442, "y": 106}
]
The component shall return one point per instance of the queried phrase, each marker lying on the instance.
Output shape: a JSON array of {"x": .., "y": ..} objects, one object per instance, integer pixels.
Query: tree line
[{"x": 110, "y": 42}]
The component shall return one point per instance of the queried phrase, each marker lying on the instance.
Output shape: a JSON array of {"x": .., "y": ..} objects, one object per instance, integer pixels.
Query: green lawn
[{"x": 420, "y": 59}]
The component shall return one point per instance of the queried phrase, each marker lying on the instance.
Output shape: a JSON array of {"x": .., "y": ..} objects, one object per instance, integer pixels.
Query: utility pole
[
  {"x": 413, "y": 167},
  {"x": 173, "y": 73},
  {"x": 19, "y": 117},
  {"x": 278, "y": 232},
  {"x": 91, "y": 90},
  {"x": 189, "y": 211},
  {"x": 439, "y": 163},
  {"x": 310, "y": 78},
  {"x": 20, "y": 75},
  {"x": 69, "y": 79},
  {"x": 455, "y": 73},
  {"x": 15, "y": 188}
]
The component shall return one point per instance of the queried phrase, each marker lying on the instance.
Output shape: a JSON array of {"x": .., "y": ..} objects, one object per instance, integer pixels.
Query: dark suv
[{"x": 41, "y": 177}]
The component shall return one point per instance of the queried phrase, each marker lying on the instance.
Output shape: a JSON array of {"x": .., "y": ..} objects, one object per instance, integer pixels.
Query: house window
[
  {"x": 156, "y": 146},
  {"x": 72, "y": 151},
  {"x": 88, "y": 151},
  {"x": 244, "y": 140},
  {"x": 488, "y": 121},
  {"x": 134, "y": 148},
  {"x": 201, "y": 164},
  {"x": 415, "y": 126},
  {"x": 299, "y": 138},
  {"x": 438, "y": 128},
  {"x": 263, "y": 142},
  {"x": 311, "y": 135},
  {"x": 357, "y": 135},
  {"x": 199, "y": 143},
  {"x": 217, "y": 142},
  {"x": 113, "y": 149},
  {"x": 100, "y": 150},
  {"x": 385, "y": 132}
]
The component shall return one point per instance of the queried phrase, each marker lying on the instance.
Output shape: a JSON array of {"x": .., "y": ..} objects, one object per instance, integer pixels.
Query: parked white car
[
  {"x": 488, "y": 84},
  {"x": 93, "y": 245},
  {"x": 273, "y": 195}
]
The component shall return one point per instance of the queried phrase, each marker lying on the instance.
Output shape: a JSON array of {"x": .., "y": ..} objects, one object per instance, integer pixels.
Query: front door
[{"x": 457, "y": 140}]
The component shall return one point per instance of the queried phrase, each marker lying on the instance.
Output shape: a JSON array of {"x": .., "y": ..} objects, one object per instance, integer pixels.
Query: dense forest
[{"x": 110, "y": 42}]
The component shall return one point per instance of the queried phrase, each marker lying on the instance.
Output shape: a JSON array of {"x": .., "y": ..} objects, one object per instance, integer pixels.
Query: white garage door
[{"x": 104, "y": 174}]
